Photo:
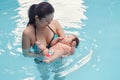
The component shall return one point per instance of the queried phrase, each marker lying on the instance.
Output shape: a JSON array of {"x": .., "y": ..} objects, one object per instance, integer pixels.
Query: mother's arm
[
  {"x": 59, "y": 29},
  {"x": 26, "y": 45}
]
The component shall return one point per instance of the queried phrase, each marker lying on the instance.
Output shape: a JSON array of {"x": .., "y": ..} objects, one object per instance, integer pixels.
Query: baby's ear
[{"x": 73, "y": 43}]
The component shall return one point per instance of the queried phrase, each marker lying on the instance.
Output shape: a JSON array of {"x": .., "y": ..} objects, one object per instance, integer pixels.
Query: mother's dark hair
[{"x": 41, "y": 10}]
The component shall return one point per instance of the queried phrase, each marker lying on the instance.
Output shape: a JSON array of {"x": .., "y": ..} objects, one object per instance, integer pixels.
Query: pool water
[{"x": 96, "y": 22}]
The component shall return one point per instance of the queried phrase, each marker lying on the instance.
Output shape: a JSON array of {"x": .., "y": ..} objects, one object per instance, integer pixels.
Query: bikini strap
[
  {"x": 51, "y": 29},
  {"x": 49, "y": 45}
]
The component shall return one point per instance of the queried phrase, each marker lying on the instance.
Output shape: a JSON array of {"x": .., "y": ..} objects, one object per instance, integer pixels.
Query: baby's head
[{"x": 74, "y": 39}]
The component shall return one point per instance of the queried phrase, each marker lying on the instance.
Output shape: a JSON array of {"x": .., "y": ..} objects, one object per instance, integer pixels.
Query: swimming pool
[{"x": 99, "y": 33}]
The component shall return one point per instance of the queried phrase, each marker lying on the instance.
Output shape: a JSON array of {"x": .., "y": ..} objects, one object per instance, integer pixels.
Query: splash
[{"x": 79, "y": 64}]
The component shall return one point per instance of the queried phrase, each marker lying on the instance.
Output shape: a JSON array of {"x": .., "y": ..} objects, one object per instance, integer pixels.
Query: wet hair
[
  {"x": 77, "y": 41},
  {"x": 41, "y": 10}
]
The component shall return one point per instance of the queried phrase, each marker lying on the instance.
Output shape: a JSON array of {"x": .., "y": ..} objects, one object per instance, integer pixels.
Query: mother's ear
[{"x": 36, "y": 17}]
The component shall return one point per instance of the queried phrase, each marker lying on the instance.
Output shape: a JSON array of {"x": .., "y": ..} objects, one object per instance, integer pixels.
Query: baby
[{"x": 60, "y": 47}]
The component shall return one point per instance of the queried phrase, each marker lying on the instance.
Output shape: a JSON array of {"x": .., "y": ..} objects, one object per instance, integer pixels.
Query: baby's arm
[{"x": 56, "y": 40}]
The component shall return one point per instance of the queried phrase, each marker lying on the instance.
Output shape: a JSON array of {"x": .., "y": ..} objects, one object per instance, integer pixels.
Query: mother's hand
[{"x": 40, "y": 45}]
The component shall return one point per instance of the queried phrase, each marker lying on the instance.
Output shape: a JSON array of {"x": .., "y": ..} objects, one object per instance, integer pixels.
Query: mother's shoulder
[{"x": 28, "y": 30}]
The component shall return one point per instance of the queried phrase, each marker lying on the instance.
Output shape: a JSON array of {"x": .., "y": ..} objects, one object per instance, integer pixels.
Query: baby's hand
[{"x": 60, "y": 39}]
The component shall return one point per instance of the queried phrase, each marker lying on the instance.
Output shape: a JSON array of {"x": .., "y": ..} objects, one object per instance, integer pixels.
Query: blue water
[
  {"x": 103, "y": 25},
  {"x": 100, "y": 34}
]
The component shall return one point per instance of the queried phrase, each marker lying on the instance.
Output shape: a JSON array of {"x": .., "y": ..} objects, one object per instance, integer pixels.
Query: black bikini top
[{"x": 54, "y": 35}]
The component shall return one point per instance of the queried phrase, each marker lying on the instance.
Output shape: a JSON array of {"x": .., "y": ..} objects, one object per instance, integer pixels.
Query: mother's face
[{"x": 46, "y": 20}]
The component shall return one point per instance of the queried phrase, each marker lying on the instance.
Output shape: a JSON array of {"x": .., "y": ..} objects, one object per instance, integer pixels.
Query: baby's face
[{"x": 69, "y": 38}]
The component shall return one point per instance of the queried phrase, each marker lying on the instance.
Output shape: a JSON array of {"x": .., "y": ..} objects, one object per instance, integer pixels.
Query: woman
[{"x": 41, "y": 27}]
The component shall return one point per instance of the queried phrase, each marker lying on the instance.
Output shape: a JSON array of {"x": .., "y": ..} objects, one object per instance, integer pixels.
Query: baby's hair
[{"x": 77, "y": 40}]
